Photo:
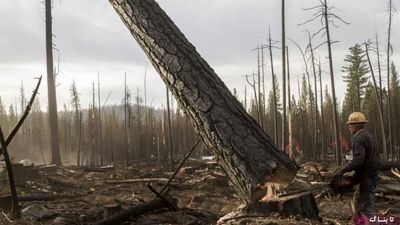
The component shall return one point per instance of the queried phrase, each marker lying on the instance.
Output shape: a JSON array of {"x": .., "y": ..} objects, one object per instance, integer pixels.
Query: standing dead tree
[
  {"x": 371, "y": 69},
  {"x": 51, "y": 89},
  {"x": 244, "y": 151},
  {"x": 378, "y": 60},
  {"x": 275, "y": 109},
  {"x": 257, "y": 94},
  {"x": 310, "y": 48},
  {"x": 75, "y": 102},
  {"x": 290, "y": 122},
  {"x": 327, "y": 17},
  {"x": 170, "y": 144},
  {"x": 389, "y": 51},
  {"x": 253, "y": 86},
  {"x": 309, "y": 91},
  {"x": 283, "y": 74},
  {"x": 126, "y": 127},
  {"x": 99, "y": 120},
  {"x": 321, "y": 98}
]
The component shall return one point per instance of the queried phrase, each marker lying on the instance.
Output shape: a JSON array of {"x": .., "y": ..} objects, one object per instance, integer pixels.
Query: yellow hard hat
[{"x": 357, "y": 117}]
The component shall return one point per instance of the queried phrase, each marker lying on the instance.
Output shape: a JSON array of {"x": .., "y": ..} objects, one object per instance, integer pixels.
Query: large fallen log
[
  {"x": 138, "y": 180},
  {"x": 43, "y": 197},
  {"x": 135, "y": 211},
  {"x": 385, "y": 166},
  {"x": 243, "y": 149},
  {"x": 99, "y": 169}
]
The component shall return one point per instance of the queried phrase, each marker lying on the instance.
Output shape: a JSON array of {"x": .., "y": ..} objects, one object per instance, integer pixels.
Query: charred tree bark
[
  {"x": 335, "y": 114},
  {"x": 315, "y": 154},
  {"x": 322, "y": 113},
  {"x": 244, "y": 151},
  {"x": 389, "y": 110},
  {"x": 378, "y": 99},
  {"x": 273, "y": 88},
  {"x": 134, "y": 212},
  {"x": 379, "y": 71},
  {"x": 290, "y": 123},
  {"x": 283, "y": 77},
  {"x": 15, "y": 208},
  {"x": 170, "y": 145},
  {"x": 126, "y": 144},
  {"x": 99, "y": 120},
  {"x": 51, "y": 89}
]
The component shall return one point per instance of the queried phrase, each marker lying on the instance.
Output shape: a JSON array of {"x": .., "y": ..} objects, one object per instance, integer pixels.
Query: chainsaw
[{"x": 336, "y": 186}]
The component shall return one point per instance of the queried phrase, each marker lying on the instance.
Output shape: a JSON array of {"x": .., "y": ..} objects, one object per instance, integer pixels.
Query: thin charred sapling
[
  {"x": 290, "y": 123},
  {"x": 322, "y": 113}
]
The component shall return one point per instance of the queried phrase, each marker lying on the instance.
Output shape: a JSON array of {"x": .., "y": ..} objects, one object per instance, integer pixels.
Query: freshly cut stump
[{"x": 303, "y": 207}]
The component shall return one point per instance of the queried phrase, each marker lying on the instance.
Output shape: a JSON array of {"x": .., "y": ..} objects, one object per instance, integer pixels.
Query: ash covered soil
[{"x": 202, "y": 191}]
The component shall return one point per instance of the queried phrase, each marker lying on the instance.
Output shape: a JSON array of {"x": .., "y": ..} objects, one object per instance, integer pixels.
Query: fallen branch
[
  {"x": 5, "y": 216},
  {"x": 137, "y": 180},
  {"x": 179, "y": 167},
  {"x": 386, "y": 166},
  {"x": 31, "y": 198},
  {"x": 48, "y": 166},
  {"x": 389, "y": 188},
  {"x": 172, "y": 205},
  {"x": 135, "y": 211},
  {"x": 99, "y": 169},
  {"x": 53, "y": 181},
  {"x": 23, "y": 117},
  {"x": 388, "y": 197}
]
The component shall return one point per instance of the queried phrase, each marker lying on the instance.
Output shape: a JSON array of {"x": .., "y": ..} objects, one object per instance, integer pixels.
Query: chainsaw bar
[{"x": 300, "y": 193}]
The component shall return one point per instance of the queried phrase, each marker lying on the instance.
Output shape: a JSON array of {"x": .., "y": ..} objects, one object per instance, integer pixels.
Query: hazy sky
[{"x": 90, "y": 38}]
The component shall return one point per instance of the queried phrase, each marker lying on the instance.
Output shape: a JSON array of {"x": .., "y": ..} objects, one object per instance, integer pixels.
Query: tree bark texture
[
  {"x": 244, "y": 151},
  {"x": 283, "y": 77},
  {"x": 51, "y": 89},
  {"x": 335, "y": 114}
]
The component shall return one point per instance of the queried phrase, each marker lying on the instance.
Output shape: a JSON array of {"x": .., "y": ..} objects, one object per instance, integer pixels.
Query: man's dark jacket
[{"x": 366, "y": 160}]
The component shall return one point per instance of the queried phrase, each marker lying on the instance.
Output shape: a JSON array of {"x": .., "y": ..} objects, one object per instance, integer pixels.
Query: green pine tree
[{"x": 356, "y": 79}]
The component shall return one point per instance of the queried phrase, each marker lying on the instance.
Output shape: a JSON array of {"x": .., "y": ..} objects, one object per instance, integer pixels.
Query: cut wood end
[
  {"x": 274, "y": 183},
  {"x": 396, "y": 172}
]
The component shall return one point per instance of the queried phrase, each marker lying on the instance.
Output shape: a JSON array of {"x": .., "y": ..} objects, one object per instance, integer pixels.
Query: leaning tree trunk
[{"x": 244, "y": 151}]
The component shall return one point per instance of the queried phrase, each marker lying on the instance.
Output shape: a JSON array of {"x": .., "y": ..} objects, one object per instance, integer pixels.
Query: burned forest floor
[{"x": 72, "y": 195}]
